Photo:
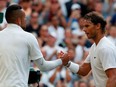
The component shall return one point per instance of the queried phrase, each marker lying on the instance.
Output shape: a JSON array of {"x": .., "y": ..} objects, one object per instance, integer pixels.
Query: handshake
[{"x": 65, "y": 57}]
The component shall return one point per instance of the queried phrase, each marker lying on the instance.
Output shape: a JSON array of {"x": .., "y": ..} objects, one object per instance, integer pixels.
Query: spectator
[
  {"x": 74, "y": 17},
  {"x": 33, "y": 27},
  {"x": 50, "y": 47},
  {"x": 26, "y": 5},
  {"x": 56, "y": 29},
  {"x": 43, "y": 35},
  {"x": 62, "y": 75},
  {"x": 71, "y": 2},
  {"x": 3, "y": 4}
]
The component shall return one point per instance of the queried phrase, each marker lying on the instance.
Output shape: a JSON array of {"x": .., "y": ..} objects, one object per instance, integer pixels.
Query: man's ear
[
  {"x": 98, "y": 26},
  {"x": 18, "y": 21}
]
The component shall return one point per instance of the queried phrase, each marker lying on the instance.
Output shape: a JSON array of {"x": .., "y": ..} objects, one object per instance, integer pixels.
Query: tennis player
[
  {"x": 17, "y": 48},
  {"x": 102, "y": 56}
]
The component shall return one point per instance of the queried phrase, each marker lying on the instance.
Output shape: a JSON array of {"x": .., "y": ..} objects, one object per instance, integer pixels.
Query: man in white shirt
[
  {"x": 58, "y": 30},
  {"x": 17, "y": 48},
  {"x": 102, "y": 56}
]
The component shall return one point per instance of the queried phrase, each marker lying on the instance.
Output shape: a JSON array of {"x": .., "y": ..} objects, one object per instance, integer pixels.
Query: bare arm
[
  {"x": 62, "y": 18},
  {"x": 68, "y": 77},
  {"x": 84, "y": 69},
  {"x": 53, "y": 77},
  {"x": 111, "y": 73}
]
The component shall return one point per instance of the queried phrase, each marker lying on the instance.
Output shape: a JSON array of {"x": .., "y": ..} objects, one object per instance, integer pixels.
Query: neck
[
  {"x": 98, "y": 38},
  {"x": 34, "y": 23}
]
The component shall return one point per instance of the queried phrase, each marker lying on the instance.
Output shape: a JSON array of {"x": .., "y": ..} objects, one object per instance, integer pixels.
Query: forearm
[
  {"x": 44, "y": 65},
  {"x": 111, "y": 82},
  {"x": 69, "y": 22},
  {"x": 63, "y": 22},
  {"x": 81, "y": 70},
  {"x": 68, "y": 77},
  {"x": 53, "y": 78}
]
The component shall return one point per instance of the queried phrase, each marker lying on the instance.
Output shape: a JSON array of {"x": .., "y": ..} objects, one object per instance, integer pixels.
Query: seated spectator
[
  {"x": 60, "y": 75},
  {"x": 43, "y": 35},
  {"x": 73, "y": 21},
  {"x": 57, "y": 29},
  {"x": 33, "y": 27},
  {"x": 50, "y": 47},
  {"x": 3, "y": 6}
]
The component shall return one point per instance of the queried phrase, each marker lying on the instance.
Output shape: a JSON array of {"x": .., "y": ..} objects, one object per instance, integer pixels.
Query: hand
[
  {"x": 59, "y": 14},
  {"x": 65, "y": 57},
  {"x": 75, "y": 14},
  {"x": 60, "y": 55}
]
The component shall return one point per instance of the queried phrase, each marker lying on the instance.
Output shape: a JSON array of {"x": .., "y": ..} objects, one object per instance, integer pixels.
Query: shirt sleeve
[
  {"x": 87, "y": 60},
  {"x": 108, "y": 58},
  {"x": 34, "y": 50}
]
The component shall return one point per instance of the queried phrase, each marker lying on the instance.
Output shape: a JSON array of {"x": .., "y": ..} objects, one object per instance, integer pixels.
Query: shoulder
[
  {"x": 92, "y": 47},
  {"x": 106, "y": 44},
  {"x": 29, "y": 37},
  {"x": 107, "y": 49}
]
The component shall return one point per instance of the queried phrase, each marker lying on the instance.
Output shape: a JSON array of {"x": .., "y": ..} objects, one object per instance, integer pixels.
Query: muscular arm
[
  {"x": 111, "y": 73},
  {"x": 44, "y": 65},
  {"x": 84, "y": 69}
]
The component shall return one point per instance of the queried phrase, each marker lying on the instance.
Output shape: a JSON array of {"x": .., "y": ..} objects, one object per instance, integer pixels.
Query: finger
[{"x": 62, "y": 52}]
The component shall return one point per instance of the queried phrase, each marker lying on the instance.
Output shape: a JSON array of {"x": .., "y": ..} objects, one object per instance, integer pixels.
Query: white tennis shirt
[
  {"x": 17, "y": 48},
  {"x": 101, "y": 58}
]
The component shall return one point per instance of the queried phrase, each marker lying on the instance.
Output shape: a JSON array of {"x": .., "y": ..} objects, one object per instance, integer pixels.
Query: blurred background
[{"x": 57, "y": 25}]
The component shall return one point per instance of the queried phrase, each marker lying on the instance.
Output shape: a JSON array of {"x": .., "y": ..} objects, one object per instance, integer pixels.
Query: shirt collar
[
  {"x": 102, "y": 39},
  {"x": 14, "y": 26}
]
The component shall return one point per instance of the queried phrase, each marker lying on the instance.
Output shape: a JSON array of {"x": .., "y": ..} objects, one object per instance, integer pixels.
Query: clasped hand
[{"x": 65, "y": 57}]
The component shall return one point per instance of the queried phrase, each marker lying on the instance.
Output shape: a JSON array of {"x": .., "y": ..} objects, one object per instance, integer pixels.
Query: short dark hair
[
  {"x": 11, "y": 13},
  {"x": 96, "y": 18}
]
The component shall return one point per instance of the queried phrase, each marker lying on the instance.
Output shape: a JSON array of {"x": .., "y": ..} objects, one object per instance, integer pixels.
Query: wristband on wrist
[
  {"x": 73, "y": 67},
  {"x": 68, "y": 64}
]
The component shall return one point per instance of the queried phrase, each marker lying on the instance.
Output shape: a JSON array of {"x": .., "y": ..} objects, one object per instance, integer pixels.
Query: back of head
[
  {"x": 96, "y": 18},
  {"x": 12, "y": 13}
]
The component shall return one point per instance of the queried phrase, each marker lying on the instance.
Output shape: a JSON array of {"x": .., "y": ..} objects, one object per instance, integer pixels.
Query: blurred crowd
[{"x": 58, "y": 26}]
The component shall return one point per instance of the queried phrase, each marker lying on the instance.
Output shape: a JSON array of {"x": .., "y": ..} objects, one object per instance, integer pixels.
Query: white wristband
[{"x": 74, "y": 67}]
